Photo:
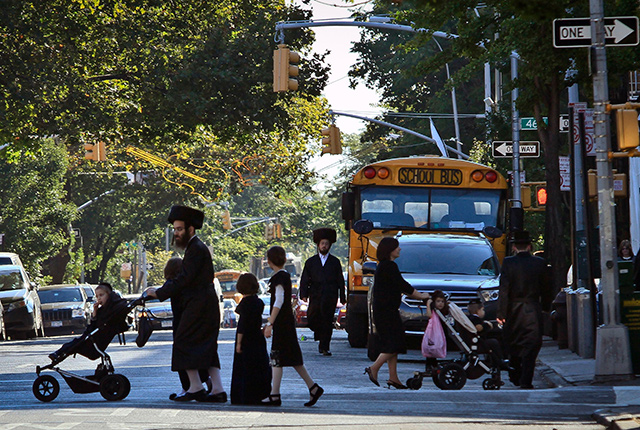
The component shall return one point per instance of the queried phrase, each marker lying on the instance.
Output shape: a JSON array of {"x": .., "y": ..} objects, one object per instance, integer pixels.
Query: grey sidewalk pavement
[{"x": 561, "y": 367}]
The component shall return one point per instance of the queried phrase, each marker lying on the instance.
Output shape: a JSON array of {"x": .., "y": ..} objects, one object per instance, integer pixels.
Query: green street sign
[{"x": 530, "y": 123}]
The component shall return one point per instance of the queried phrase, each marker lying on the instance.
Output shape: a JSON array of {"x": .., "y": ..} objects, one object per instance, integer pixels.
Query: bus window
[{"x": 383, "y": 206}]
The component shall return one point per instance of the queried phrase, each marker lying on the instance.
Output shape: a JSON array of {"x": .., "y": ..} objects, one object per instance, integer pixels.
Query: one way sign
[
  {"x": 576, "y": 32},
  {"x": 504, "y": 149}
]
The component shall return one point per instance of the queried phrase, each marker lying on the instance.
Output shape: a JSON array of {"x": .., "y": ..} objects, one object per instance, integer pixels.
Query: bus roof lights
[
  {"x": 383, "y": 173},
  {"x": 369, "y": 172},
  {"x": 491, "y": 176},
  {"x": 477, "y": 175}
]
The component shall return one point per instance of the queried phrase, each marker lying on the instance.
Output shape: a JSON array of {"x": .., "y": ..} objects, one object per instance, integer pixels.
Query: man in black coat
[
  {"x": 525, "y": 291},
  {"x": 322, "y": 283},
  {"x": 195, "y": 340}
]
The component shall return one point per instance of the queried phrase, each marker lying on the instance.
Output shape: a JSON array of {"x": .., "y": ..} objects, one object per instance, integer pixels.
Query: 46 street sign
[
  {"x": 504, "y": 149},
  {"x": 576, "y": 32}
]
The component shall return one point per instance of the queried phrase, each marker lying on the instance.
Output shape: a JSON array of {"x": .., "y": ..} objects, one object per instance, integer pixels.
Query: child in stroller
[
  {"x": 453, "y": 374},
  {"x": 108, "y": 320}
]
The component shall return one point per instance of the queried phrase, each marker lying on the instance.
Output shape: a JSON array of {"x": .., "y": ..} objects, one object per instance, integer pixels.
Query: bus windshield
[{"x": 430, "y": 208}]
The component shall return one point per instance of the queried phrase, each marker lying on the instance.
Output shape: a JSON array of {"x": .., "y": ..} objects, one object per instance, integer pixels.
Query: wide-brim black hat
[
  {"x": 521, "y": 237},
  {"x": 324, "y": 233},
  {"x": 184, "y": 213}
]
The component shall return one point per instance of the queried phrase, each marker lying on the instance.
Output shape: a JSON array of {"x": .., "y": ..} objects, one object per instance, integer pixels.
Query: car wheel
[{"x": 46, "y": 388}]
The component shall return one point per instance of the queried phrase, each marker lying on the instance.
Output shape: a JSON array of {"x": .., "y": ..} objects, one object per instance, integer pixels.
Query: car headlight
[
  {"x": 489, "y": 295},
  {"x": 77, "y": 313},
  {"x": 16, "y": 305},
  {"x": 303, "y": 307}
]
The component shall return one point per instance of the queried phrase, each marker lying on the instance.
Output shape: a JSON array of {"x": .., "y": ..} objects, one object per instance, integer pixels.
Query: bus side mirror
[
  {"x": 363, "y": 226},
  {"x": 348, "y": 205},
  {"x": 492, "y": 232},
  {"x": 369, "y": 267}
]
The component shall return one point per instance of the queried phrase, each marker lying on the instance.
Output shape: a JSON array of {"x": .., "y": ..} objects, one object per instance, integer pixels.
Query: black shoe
[
  {"x": 367, "y": 370},
  {"x": 272, "y": 400},
  {"x": 314, "y": 396},
  {"x": 395, "y": 385},
  {"x": 526, "y": 387},
  {"x": 173, "y": 396},
  {"x": 326, "y": 353},
  {"x": 216, "y": 398},
  {"x": 187, "y": 397}
]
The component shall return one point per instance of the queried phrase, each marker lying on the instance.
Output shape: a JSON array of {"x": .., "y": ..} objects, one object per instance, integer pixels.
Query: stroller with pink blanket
[{"x": 474, "y": 360}]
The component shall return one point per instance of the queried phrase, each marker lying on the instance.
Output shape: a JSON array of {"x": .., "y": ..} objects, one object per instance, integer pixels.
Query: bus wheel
[{"x": 357, "y": 327}]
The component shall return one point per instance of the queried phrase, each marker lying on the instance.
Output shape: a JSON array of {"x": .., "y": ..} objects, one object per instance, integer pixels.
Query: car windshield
[
  {"x": 447, "y": 258},
  {"x": 61, "y": 295},
  {"x": 11, "y": 280},
  {"x": 433, "y": 209}
]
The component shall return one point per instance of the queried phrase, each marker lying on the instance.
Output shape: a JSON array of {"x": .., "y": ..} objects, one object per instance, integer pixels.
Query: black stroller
[
  {"x": 93, "y": 345},
  {"x": 453, "y": 374}
]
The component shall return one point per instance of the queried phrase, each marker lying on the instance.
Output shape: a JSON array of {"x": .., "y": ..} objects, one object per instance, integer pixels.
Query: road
[{"x": 350, "y": 398}]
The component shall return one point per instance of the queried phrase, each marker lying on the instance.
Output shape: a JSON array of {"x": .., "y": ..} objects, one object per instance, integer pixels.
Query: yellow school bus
[
  {"x": 427, "y": 194},
  {"x": 228, "y": 279}
]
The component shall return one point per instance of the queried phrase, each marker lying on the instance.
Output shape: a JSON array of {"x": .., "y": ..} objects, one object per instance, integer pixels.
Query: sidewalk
[{"x": 561, "y": 368}]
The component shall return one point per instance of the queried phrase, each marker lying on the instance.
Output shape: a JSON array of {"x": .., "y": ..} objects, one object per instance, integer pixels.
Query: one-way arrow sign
[
  {"x": 576, "y": 32},
  {"x": 504, "y": 149}
]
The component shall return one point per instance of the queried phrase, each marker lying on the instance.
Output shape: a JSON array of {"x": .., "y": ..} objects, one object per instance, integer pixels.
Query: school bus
[
  {"x": 228, "y": 279},
  {"x": 426, "y": 194}
]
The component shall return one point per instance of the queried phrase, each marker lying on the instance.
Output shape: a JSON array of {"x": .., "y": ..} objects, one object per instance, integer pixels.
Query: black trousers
[{"x": 523, "y": 366}]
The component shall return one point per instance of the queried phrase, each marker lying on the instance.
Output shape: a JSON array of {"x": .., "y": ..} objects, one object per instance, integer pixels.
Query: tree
[{"x": 490, "y": 32}]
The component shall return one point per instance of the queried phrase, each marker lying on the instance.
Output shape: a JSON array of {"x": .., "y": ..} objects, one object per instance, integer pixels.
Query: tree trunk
[{"x": 57, "y": 265}]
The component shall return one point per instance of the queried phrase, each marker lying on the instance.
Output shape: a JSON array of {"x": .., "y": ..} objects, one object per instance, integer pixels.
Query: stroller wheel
[
  {"x": 46, "y": 388},
  {"x": 114, "y": 387},
  {"x": 451, "y": 376},
  {"x": 491, "y": 384},
  {"x": 414, "y": 383}
]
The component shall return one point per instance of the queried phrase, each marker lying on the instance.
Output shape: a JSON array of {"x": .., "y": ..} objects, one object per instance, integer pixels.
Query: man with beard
[
  {"x": 195, "y": 340},
  {"x": 322, "y": 283},
  {"x": 525, "y": 291}
]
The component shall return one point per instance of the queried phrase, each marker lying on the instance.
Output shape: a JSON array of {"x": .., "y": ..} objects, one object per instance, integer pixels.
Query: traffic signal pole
[{"x": 613, "y": 355}]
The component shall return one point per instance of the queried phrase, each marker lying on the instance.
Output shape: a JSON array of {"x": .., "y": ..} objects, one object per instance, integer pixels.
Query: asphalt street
[{"x": 350, "y": 398}]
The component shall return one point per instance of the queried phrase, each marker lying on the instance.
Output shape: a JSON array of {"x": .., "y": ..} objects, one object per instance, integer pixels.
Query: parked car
[
  {"x": 9, "y": 258},
  {"x": 90, "y": 292},
  {"x": 229, "y": 318},
  {"x": 159, "y": 313},
  {"x": 300, "y": 311},
  {"x": 65, "y": 309},
  {"x": 340, "y": 319},
  {"x": 22, "y": 313},
  {"x": 266, "y": 312}
]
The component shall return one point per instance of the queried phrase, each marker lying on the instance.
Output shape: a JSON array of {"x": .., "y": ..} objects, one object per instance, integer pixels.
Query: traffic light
[
  {"x": 95, "y": 151},
  {"x": 627, "y": 127},
  {"x": 541, "y": 195},
  {"x": 226, "y": 220},
  {"x": 277, "y": 231},
  {"x": 283, "y": 69},
  {"x": 269, "y": 232},
  {"x": 331, "y": 143},
  {"x": 525, "y": 196}
]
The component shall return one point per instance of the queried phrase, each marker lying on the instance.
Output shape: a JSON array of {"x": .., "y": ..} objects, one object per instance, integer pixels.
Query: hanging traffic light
[
  {"x": 95, "y": 151},
  {"x": 90, "y": 151},
  {"x": 331, "y": 143},
  {"x": 283, "y": 69},
  {"x": 226, "y": 220},
  {"x": 541, "y": 195},
  {"x": 627, "y": 129},
  {"x": 269, "y": 232},
  {"x": 277, "y": 231}
]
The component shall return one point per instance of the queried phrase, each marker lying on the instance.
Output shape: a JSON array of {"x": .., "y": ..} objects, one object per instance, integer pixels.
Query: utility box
[{"x": 630, "y": 312}]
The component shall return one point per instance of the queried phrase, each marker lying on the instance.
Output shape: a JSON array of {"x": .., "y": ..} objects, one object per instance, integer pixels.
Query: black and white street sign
[
  {"x": 504, "y": 149},
  {"x": 576, "y": 32}
]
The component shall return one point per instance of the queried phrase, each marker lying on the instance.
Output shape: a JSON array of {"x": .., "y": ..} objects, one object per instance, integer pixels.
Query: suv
[
  {"x": 463, "y": 266},
  {"x": 9, "y": 258},
  {"x": 20, "y": 302},
  {"x": 65, "y": 309}
]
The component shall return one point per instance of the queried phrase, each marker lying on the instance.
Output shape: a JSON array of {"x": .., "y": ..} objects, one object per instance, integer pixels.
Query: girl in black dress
[
  {"x": 285, "y": 350},
  {"x": 388, "y": 288},
  {"x": 251, "y": 379}
]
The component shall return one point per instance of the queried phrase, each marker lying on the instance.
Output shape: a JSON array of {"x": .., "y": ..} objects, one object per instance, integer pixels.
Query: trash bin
[
  {"x": 630, "y": 316},
  {"x": 559, "y": 318},
  {"x": 572, "y": 321},
  {"x": 585, "y": 334}
]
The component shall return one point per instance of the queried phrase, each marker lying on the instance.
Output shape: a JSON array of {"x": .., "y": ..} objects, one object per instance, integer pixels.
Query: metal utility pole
[
  {"x": 613, "y": 355},
  {"x": 515, "y": 124}
]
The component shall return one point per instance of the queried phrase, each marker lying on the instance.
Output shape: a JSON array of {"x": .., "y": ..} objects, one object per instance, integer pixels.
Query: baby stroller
[
  {"x": 453, "y": 374},
  {"x": 110, "y": 385}
]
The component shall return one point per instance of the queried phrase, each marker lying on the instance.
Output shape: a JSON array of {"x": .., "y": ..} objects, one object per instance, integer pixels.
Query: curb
[{"x": 616, "y": 420}]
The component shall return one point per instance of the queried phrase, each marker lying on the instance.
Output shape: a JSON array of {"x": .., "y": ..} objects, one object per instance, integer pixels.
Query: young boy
[{"x": 476, "y": 315}]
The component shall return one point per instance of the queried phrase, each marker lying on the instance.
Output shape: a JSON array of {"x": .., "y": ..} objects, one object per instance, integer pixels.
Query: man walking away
[
  {"x": 322, "y": 283},
  {"x": 525, "y": 291}
]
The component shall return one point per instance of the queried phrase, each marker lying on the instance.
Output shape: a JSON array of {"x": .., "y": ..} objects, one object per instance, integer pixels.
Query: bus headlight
[
  {"x": 367, "y": 281},
  {"x": 489, "y": 295}
]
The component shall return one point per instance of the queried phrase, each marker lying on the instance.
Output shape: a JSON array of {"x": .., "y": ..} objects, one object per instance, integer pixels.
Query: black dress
[
  {"x": 285, "y": 350},
  {"x": 388, "y": 287},
  {"x": 251, "y": 379}
]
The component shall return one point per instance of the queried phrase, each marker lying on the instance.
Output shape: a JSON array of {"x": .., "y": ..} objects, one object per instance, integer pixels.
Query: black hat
[
  {"x": 521, "y": 237},
  {"x": 184, "y": 213},
  {"x": 324, "y": 233}
]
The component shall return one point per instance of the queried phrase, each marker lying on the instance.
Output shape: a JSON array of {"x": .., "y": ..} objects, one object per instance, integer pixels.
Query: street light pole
[{"x": 613, "y": 355}]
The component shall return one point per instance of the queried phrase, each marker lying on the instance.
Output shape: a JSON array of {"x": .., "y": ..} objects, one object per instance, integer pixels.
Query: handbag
[
  {"x": 144, "y": 331},
  {"x": 434, "y": 342}
]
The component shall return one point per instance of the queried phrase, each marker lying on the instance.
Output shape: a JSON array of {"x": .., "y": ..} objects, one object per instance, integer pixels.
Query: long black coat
[
  {"x": 195, "y": 341},
  {"x": 525, "y": 290},
  {"x": 322, "y": 285}
]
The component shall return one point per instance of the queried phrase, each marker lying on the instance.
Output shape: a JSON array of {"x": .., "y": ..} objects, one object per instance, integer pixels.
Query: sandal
[
  {"x": 274, "y": 400},
  {"x": 314, "y": 396}
]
